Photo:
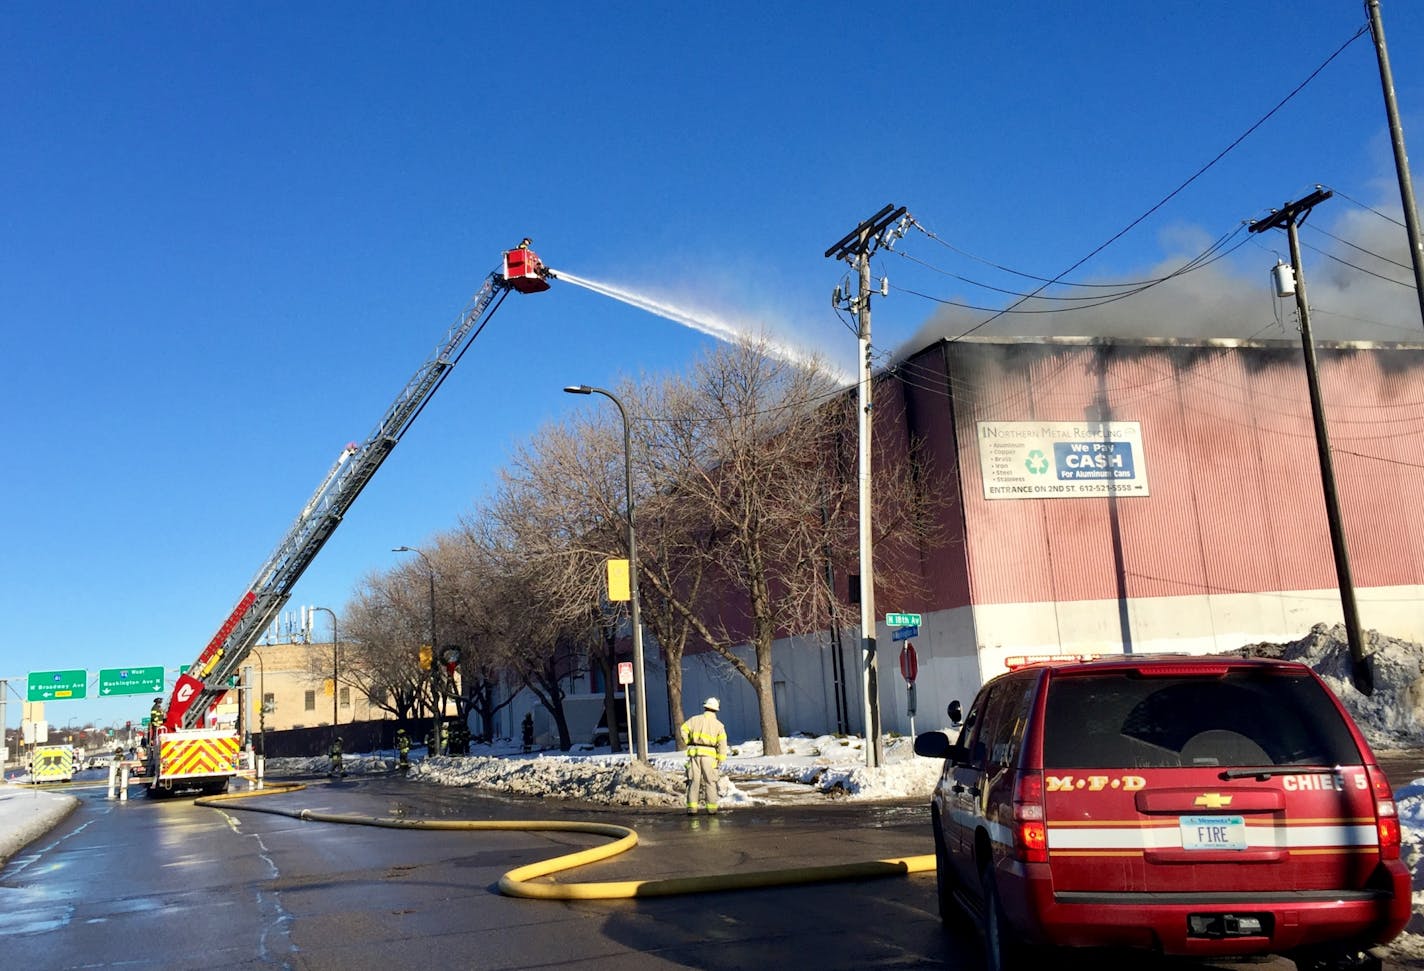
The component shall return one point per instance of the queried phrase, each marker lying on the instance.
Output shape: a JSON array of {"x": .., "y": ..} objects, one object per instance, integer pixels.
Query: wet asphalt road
[{"x": 166, "y": 884}]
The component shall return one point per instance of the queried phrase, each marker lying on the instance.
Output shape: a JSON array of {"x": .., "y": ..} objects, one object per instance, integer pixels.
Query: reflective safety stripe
[{"x": 197, "y": 756}]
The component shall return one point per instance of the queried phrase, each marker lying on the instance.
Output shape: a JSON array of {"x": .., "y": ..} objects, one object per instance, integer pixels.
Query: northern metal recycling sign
[{"x": 1062, "y": 459}]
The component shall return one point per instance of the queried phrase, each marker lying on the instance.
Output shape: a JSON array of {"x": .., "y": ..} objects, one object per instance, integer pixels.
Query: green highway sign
[
  {"x": 57, "y": 685},
  {"x": 902, "y": 620},
  {"x": 130, "y": 681}
]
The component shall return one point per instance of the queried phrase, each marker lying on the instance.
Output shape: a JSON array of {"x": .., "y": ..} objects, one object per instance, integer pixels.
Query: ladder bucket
[{"x": 523, "y": 271}]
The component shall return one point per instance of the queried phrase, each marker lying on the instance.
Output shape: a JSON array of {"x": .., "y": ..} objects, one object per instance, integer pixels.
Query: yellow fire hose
[{"x": 519, "y": 881}]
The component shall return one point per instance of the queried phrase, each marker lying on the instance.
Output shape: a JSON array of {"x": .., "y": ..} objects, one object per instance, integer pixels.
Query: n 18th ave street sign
[
  {"x": 56, "y": 685},
  {"x": 130, "y": 681},
  {"x": 902, "y": 620}
]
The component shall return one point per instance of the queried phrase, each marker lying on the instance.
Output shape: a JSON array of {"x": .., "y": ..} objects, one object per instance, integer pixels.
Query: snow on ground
[
  {"x": 27, "y": 814},
  {"x": 808, "y": 770},
  {"x": 1409, "y": 801}
]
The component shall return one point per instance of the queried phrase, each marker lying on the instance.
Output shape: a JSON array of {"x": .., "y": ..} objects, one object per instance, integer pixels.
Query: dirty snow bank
[
  {"x": 1393, "y": 717},
  {"x": 832, "y": 766}
]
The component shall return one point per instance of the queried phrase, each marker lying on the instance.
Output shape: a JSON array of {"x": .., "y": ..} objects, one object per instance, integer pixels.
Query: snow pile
[
  {"x": 1409, "y": 803},
  {"x": 827, "y": 767},
  {"x": 835, "y": 765},
  {"x": 27, "y": 814},
  {"x": 611, "y": 780},
  {"x": 1393, "y": 717}
]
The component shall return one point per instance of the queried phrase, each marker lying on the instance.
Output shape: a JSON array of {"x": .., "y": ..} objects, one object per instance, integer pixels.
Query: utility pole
[
  {"x": 856, "y": 248},
  {"x": 1291, "y": 216},
  {"x": 1401, "y": 157}
]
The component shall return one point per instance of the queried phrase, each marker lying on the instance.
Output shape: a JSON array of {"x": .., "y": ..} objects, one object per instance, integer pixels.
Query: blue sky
[{"x": 231, "y": 232}]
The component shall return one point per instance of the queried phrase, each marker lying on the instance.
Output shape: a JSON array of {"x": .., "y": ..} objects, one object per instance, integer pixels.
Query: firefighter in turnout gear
[
  {"x": 706, "y": 740},
  {"x": 155, "y": 718},
  {"x": 403, "y": 747},
  {"x": 335, "y": 754}
]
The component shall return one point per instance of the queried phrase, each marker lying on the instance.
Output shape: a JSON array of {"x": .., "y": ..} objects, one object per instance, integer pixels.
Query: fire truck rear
[{"x": 201, "y": 759}]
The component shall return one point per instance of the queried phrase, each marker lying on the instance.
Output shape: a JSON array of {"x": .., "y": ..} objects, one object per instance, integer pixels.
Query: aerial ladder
[{"x": 187, "y": 752}]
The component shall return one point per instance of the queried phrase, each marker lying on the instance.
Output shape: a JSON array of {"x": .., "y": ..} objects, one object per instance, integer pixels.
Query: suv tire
[
  {"x": 1001, "y": 951},
  {"x": 946, "y": 885}
]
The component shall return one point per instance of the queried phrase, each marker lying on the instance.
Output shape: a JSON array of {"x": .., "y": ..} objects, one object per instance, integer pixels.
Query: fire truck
[{"x": 190, "y": 749}]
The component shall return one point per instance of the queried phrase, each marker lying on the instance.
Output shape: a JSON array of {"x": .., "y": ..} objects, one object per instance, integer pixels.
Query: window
[
  {"x": 311, "y": 701},
  {"x": 345, "y": 697},
  {"x": 269, "y": 702},
  {"x": 1004, "y": 723},
  {"x": 1245, "y": 718}
]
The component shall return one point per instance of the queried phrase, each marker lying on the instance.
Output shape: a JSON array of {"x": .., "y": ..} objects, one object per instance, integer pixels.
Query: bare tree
[
  {"x": 487, "y": 684},
  {"x": 383, "y": 630},
  {"x": 749, "y": 455},
  {"x": 544, "y": 570}
]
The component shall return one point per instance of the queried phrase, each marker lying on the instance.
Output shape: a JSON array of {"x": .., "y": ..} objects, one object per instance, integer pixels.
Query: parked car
[{"x": 1196, "y": 806}]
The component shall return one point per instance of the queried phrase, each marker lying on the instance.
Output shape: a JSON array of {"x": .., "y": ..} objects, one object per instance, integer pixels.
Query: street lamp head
[
  {"x": 578, "y": 389},
  {"x": 402, "y": 549}
]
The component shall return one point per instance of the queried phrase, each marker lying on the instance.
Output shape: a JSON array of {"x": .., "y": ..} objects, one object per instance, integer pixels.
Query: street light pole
[
  {"x": 335, "y": 718},
  {"x": 639, "y": 687},
  {"x": 435, "y": 699}
]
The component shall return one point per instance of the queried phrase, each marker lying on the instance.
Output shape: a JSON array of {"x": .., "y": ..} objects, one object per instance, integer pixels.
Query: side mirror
[
  {"x": 932, "y": 745},
  {"x": 956, "y": 713}
]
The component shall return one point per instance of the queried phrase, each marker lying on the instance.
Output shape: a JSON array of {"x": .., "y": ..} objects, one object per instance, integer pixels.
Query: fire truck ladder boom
[{"x": 273, "y": 584}]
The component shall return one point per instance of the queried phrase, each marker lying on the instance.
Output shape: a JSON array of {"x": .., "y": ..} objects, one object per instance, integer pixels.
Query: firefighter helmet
[{"x": 712, "y": 704}]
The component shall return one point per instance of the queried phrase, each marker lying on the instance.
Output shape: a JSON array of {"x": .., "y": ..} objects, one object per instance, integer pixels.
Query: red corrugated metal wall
[{"x": 1229, "y": 451}]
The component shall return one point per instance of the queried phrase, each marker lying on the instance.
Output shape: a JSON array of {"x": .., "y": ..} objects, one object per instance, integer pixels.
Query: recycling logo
[{"x": 1037, "y": 462}]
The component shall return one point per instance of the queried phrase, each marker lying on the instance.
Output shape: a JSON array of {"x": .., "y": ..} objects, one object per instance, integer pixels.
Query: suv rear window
[{"x": 1123, "y": 719}]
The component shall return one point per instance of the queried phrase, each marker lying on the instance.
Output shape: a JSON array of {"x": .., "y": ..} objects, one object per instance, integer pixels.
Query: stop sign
[{"x": 909, "y": 663}]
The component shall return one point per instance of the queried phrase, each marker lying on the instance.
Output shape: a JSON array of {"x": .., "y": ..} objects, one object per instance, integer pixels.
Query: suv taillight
[
  {"x": 1386, "y": 819},
  {"x": 1030, "y": 829}
]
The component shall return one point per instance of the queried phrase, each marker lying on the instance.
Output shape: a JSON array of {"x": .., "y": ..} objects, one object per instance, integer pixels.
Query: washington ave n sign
[{"x": 130, "y": 681}]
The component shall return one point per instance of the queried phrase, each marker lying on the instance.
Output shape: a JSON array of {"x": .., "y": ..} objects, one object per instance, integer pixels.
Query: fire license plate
[{"x": 1213, "y": 832}]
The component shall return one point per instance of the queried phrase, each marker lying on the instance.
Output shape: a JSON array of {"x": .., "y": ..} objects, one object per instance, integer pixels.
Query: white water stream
[{"x": 711, "y": 324}]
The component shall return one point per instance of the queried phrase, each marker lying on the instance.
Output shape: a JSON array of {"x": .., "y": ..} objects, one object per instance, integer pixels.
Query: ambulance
[{"x": 52, "y": 763}]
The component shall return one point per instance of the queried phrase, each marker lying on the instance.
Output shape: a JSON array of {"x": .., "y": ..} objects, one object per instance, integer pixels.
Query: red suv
[{"x": 1198, "y": 806}]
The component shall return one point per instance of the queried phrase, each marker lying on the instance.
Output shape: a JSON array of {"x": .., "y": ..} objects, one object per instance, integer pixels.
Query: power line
[
  {"x": 1356, "y": 246},
  {"x": 1196, "y": 175},
  {"x": 1384, "y": 216},
  {"x": 1344, "y": 262}
]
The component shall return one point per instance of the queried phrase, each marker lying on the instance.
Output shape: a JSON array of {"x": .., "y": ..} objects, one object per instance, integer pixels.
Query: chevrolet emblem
[{"x": 1212, "y": 800}]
